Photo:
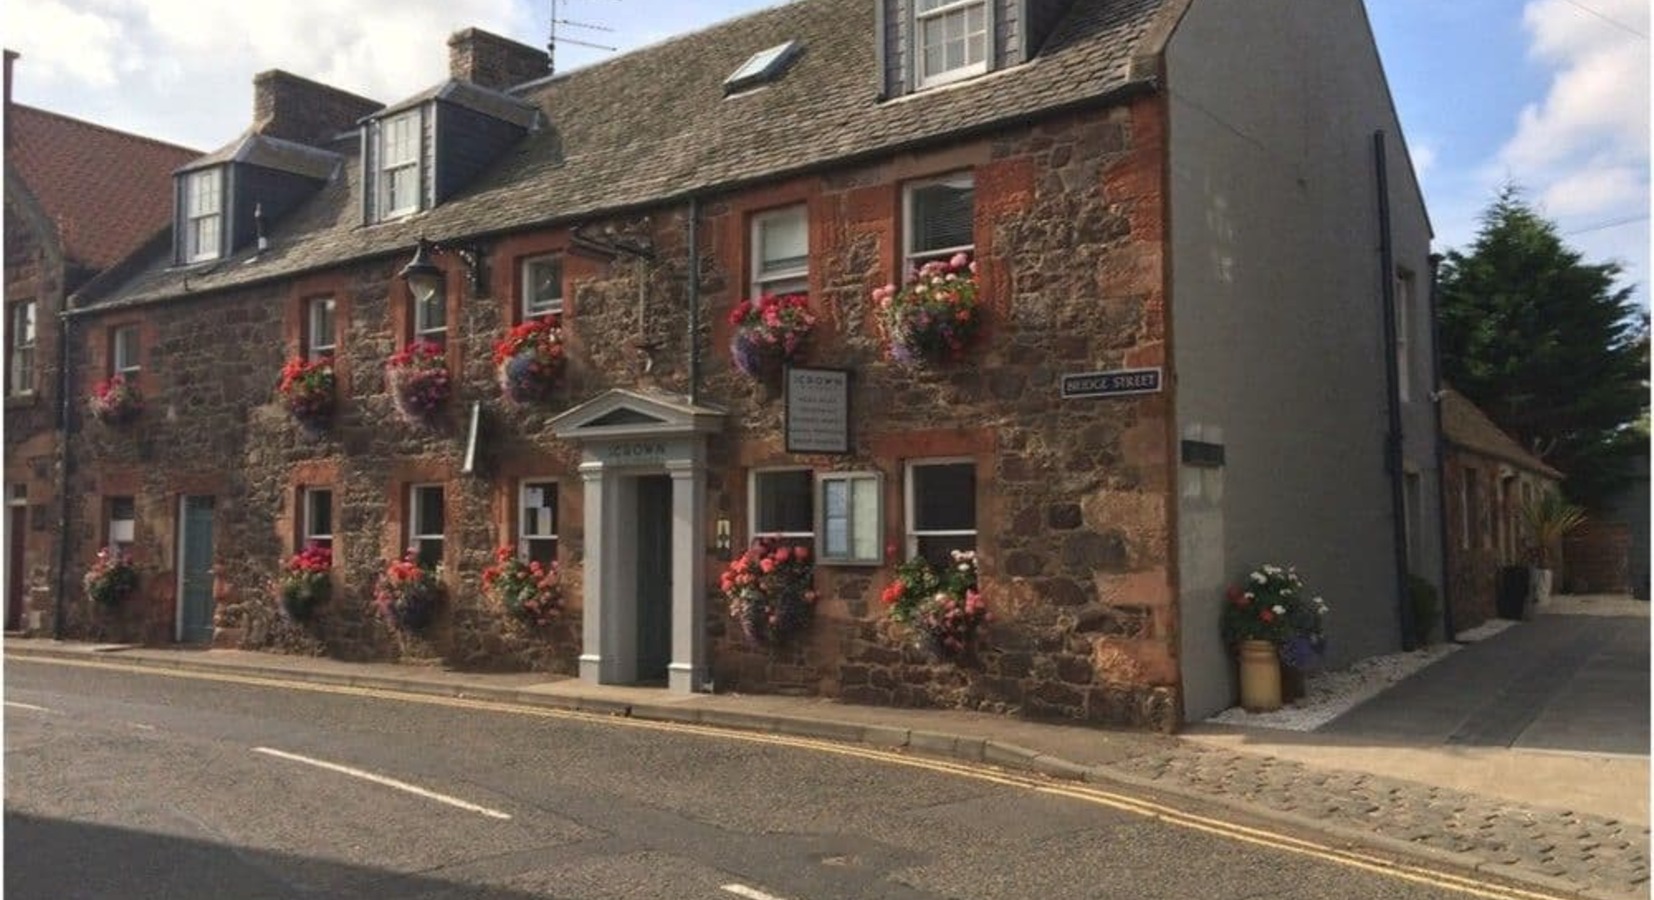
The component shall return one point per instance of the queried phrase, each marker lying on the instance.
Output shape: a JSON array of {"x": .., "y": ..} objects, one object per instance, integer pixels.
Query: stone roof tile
[{"x": 654, "y": 125}]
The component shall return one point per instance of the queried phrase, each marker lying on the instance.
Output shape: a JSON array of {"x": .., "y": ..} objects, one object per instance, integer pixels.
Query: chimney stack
[
  {"x": 490, "y": 61},
  {"x": 297, "y": 109},
  {"x": 11, "y": 56}
]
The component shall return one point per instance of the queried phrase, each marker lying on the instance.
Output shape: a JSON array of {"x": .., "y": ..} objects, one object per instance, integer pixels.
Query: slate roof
[
  {"x": 504, "y": 107},
  {"x": 1464, "y": 425},
  {"x": 108, "y": 191},
  {"x": 271, "y": 153},
  {"x": 654, "y": 125}
]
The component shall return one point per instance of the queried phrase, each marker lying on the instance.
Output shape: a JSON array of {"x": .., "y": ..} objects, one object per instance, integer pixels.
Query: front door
[
  {"x": 17, "y": 519},
  {"x": 195, "y": 603},
  {"x": 654, "y": 577}
]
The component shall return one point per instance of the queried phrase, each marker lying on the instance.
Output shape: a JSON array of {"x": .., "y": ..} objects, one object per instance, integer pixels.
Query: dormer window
[
  {"x": 953, "y": 40},
  {"x": 204, "y": 215},
  {"x": 399, "y": 167}
]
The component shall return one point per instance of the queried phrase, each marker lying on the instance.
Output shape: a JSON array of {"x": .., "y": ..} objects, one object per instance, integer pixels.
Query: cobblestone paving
[{"x": 1595, "y": 853}]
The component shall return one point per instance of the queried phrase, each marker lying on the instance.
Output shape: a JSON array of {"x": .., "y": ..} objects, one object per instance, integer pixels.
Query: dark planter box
[{"x": 1515, "y": 597}]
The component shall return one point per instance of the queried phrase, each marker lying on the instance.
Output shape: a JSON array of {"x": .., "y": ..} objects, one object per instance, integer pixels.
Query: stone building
[
  {"x": 79, "y": 198},
  {"x": 1191, "y": 268},
  {"x": 1489, "y": 478}
]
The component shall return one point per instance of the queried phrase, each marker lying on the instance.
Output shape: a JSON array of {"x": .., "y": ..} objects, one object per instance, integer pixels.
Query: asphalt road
[{"x": 121, "y": 784}]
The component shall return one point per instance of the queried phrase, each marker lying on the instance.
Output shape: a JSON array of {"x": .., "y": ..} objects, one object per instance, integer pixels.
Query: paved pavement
[
  {"x": 1562, "y": 682},
  {"x": 1410, "y": 790}
]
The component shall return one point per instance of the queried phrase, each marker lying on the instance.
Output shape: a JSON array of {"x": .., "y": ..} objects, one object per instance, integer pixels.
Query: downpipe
[{"x": 1392, "y": 379}]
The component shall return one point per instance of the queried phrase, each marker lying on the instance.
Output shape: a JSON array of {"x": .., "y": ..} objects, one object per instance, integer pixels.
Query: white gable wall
[{"x": 1277, "y": 321}]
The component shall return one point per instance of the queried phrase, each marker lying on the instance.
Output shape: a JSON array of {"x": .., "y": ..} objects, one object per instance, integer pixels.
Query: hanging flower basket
[
  {"x": 935, "y": 316},
  {"x": 945, "y": 610},
  {"x": 528, "y": 592},
  {"x": 308, "y": 387},
  {"x": 770, "y": 591},
  {"x": 306, "y": 581},
  {"x": 419, "y": 380},
  {"x": 112, "y": 577},
  {"x": 407, "y": 595},
  {"x": 115, "y": 401},
  {"x": 769, "y": 333},
  {"x": 529, "y": 360}
]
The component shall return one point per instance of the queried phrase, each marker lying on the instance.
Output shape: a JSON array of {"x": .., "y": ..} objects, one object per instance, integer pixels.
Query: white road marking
[
  {"x": 387, "y": 782},
  {"x": 27, "y": 706},
  {"x": 741, "y": 890},
  {"x": 141, "y": 726}
]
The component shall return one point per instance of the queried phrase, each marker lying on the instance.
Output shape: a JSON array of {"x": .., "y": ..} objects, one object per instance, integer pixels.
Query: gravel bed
[{"x": 1330, "y": 694}]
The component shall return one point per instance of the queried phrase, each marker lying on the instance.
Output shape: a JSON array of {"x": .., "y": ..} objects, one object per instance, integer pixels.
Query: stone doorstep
[{"x": 940, "y": 744}]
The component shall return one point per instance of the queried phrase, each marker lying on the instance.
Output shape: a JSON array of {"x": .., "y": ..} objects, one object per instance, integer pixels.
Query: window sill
[{"x": 22, "y": 401}]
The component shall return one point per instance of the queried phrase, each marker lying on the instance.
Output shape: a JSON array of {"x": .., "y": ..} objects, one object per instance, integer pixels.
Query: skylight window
[{"x": 762, "y": 67}]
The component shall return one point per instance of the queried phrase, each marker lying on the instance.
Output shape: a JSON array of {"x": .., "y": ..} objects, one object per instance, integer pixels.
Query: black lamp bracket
[{"x": 474, "y": 256}]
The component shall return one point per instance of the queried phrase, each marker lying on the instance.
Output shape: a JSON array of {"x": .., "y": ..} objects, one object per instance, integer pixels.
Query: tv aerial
[{"x": 554, "y": 38}]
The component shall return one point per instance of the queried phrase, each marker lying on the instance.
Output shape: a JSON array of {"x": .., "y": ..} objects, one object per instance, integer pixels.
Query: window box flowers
[
  {"x": 305, "y": 581},
  {"x": 771, "y": 591},
  {"x": 406, "y": 595},
  {"x": 528, "y": 592},
  {"x": 529, "y": 360},
  {"x": 307, "y": 388},
  {"x": 112, "y": 577},
  {"x": 933, "y": 317},
  {"x": 769, "y": 332},
  {"x": 115, "y": 401},
  {"x": 944, "y": 609},
  {"x": 419, "y": 380}
]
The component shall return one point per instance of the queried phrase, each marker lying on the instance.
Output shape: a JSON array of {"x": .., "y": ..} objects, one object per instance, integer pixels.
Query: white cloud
[
  {"x": 1595, "y": 114},
  {"x": 1589, "y": 190},
  {"x": 65, "y": 44},
  {"x": 1581, "y": 152},
  {"x": 1424, "y": 154}
]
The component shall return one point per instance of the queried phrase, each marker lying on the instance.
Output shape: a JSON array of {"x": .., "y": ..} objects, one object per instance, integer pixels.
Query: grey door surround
[{"x": 624, "y": 434}]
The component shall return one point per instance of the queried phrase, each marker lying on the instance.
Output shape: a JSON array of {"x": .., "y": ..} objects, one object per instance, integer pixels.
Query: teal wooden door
[
  {"x": 654, "y": 577},
  {"x": 195, "y": 570}
]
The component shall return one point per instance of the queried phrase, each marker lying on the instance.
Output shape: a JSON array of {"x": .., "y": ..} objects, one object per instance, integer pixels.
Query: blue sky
[{"x": 1553, "y": 94}]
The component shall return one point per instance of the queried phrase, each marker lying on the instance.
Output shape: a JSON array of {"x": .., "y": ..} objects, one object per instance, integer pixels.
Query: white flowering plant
[{"x": 1273, "y": 605}]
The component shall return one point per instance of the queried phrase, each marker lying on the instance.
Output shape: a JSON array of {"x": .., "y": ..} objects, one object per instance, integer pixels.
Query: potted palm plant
[{"x": 1548, "y": 518}]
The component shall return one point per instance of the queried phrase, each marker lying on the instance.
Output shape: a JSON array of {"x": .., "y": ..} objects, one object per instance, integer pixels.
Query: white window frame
[
  {"x": 910, "y": 531},
  {"x": 554, "y": 307},
  {"x": 307, "y": 518},
  {"x": 423, "y": 330},
  {"x": 789, "y": 281},
  {"x": 318, "y": 343},
  {"x": 204, "y": 214},
  {"x": 752, "y": 505},
  {"x": 124, "y": 356},
  {"x": 122, "y": 533},
  {"x": 22, "y": 332},
  {"x": 874, "y": 557},
  {"x": 911, "y": 258},
  {"x": 414, "y": 509},
  {"x": 1404, "y": 318},
  {"x": 923, "y": 79},
  {"x": 408, "y": 146},
  {"x": 523, "y": 540}
]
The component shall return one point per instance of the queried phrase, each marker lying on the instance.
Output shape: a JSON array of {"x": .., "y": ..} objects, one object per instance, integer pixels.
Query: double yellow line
[{"x": 1072, "y": 790}]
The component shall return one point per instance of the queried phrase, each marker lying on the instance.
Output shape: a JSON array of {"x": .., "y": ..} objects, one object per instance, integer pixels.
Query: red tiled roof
[
  {"x": 1466, "y": 426},
  {"x": 108, "y": 191}
]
